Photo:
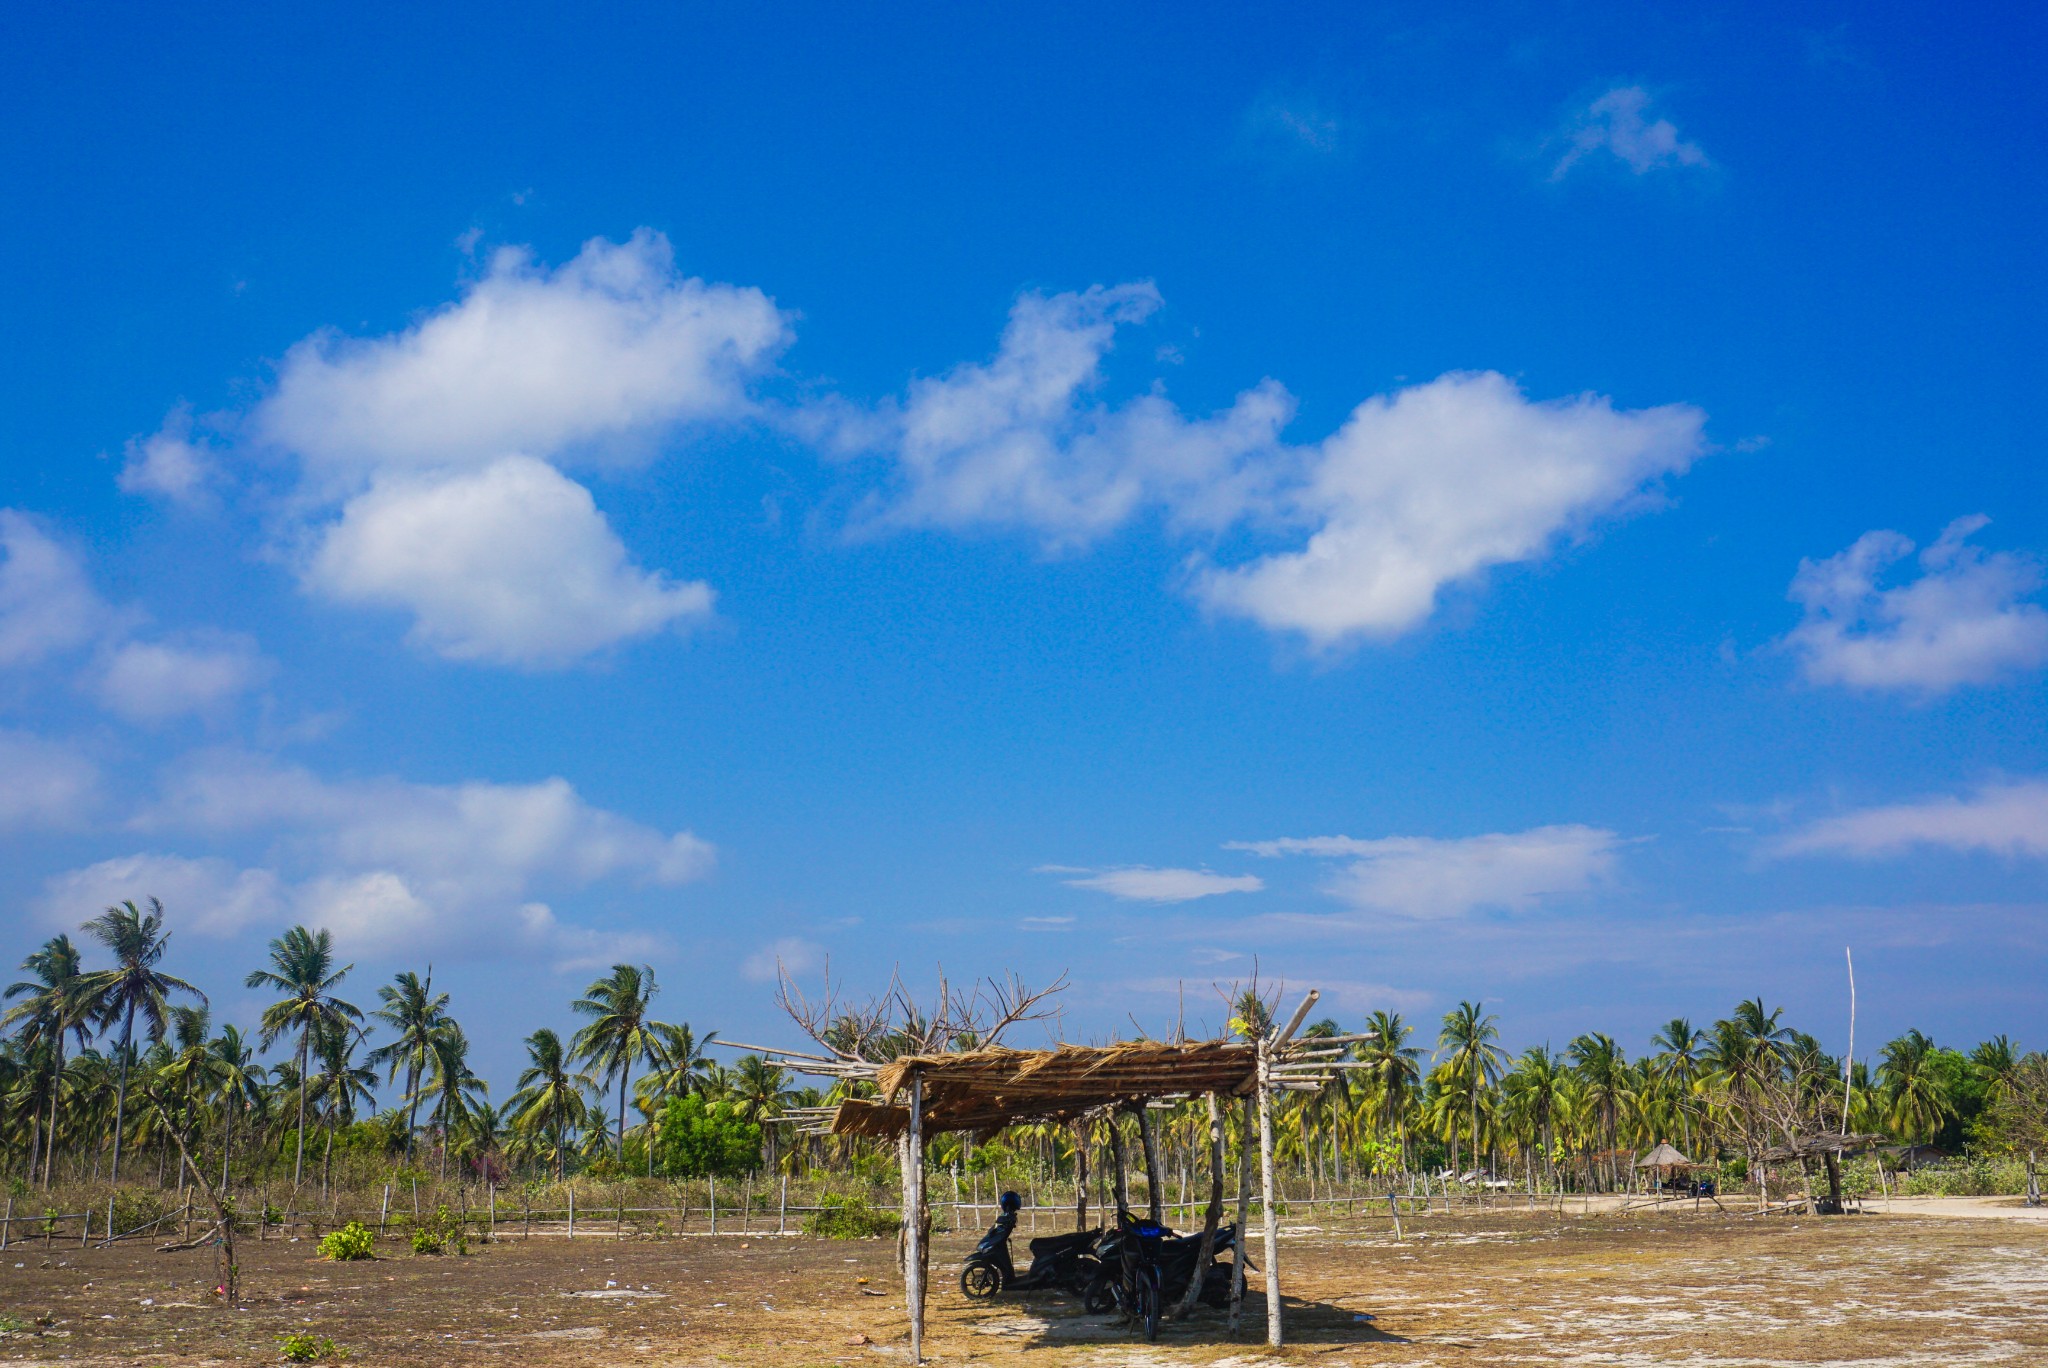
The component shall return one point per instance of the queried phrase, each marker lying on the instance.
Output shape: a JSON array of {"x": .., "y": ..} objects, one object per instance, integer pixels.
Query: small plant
[
  {"x": 848, "y": 1218},
  {"x": 436, "y": 1233},
  {"x": 303, "y": 1348},
  {"x": 11, "y": 1324},
  {"x": 271, "y": 1215},
  {"x": 353, "y": 1241}
]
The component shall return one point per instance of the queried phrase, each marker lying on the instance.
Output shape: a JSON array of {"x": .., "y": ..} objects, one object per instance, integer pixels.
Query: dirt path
[{"x": 1612, "y": 1291}]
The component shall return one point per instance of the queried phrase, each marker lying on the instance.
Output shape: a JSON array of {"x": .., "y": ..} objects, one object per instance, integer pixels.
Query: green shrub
[
  {"x": 849, "y": 1218},
  {"x": 302, "y": 1348},
  {"x": 352, "y": 1241},
  {"x": 700, "y": 1139},
  {"x": 435, "y": 1234}
]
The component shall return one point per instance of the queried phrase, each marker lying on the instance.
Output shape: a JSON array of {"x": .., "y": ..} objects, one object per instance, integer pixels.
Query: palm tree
[
  {"x": 238, "y": 1087},
  {"x": 1918, "y": 1102},
  {"x": 1677, "y": 1067},
  {"x": 55, "y": 1007},
  {"x": 550, "y": 1099},
  {"x": 762, "y": 1091},
  {"x": 302, "y": 968},
  {"x": 411, "y": 1009},
  {"x": 678, "y": 1065},
  {"x": 1534, "y": 1090},
  {"x": 1603, "y": 1072},
  {"x": 1391, "y": 1073},
  {"x": 138, "y": 941},
  {"x": 457, "y": 1091},
  {"x": 1998, "y": 1063},
  {"x": 341, "y": 1084},
  {"x": 619, "y": 1033},
  {"x": 1469, "y": 1035}
]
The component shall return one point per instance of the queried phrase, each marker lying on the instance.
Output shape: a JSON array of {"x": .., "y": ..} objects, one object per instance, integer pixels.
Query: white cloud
[
  {"x": 790, "y": 953},
  {"x": 1963, "y": 621},
  {"x": 2002, "y": 819},
  {"x": 168, "y": 464},
  {"x": 510, "y": 563},
  {"x": 610, "y": 349},
  {"x": 441, "y": 446},
  {"x": 47, "y": 602},
  {"x": 450, "y": 867},
  {"x": 1619, "y": 123},
  {"x": 1438, "y": 483},
  {"x": 1422, "y": 877},
  {"x": 209, "y": 896},
  {"x": 1018, "y": 441},
  {"x": 153, "y": 681},
  {"x": 1141, "y": 883},
  {"x": 43, "y": 783}
]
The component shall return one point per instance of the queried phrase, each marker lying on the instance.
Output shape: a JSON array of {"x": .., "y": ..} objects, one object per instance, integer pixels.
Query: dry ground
[{"x": 1615, "y": 1291}]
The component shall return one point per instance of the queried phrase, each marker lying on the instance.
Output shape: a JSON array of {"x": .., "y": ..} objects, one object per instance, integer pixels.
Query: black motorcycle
[
  {"x": 1145, "y": 1267},
  {"x": 1063, "y": 1262}
]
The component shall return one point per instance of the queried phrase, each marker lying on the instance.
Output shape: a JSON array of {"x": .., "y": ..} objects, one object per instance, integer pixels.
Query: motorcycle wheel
[
  {"x": 1148, "y": 1303},
  {"x": 1100, "y": 1296},
  {"x": 1085, "y": 1272},
  {"x": 981, "y": 1281}
]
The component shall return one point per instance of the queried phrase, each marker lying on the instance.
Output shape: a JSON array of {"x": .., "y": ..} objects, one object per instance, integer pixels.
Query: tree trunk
[
  {"x": 299, "y": 1163},
  {"x": 1155, "y": 1191},
  {"x": 412, "y": 1112},
  {"x": 1118, "y": 1168},
  {"x": 1080, "y": 1175},
  {"x": 121, "y": 1096},
  {"x": 1207, "y": 1249}
]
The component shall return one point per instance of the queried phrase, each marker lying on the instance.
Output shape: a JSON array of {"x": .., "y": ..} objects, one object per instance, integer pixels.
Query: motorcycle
[
  {"x": 1146, "y": 1266},
  {"x": 1062, "y": 1262}
]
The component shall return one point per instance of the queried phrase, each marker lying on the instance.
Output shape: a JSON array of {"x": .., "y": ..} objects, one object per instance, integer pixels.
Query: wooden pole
[
  {"x": 1080, "y": 1175},
  {"x": 1207, "y": 1249},
  {"x": 1116, "y": 1157},
  {"x": 782, "y": 1209},
  {"x": 1154, "y": 1190},
  {"x": 1265, "y": 1103},
  {"x": 712, "y": 1179},
  {"x": 384, "y": 1211},
  {"x": 913, "y": 1212},
  {"x": 7, "y": 1221},
  {"x": 1244, "y": 1216},
  {"x": 572, "y": 1213}
]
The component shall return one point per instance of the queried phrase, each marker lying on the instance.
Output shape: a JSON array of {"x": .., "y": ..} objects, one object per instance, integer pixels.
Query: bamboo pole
[
  {"x": 1207, "y": 1249},
  {"x": 1265, "y": 1102},
  {"x": 913, "y": 1210},
  {"x": 1244, "y": 1216}
]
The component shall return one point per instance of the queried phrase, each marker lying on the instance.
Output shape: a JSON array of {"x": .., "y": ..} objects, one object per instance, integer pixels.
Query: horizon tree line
[{"x": 95, "y": 1064}]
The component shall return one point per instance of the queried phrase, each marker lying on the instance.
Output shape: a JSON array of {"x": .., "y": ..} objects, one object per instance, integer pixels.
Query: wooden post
[
  {"x": 1080, "y": 1175},
  {"x": 7, "y": 1222},
  {"x": 1394, "y": 1205},
  {"x": 384, "y": 1211},
  {"x": 1121, "y": 1171},
  {"x": 112, "y": 1234},
  {"x": 782, "y": 1209},
  {"x": 712, "y": 1179},
  {"x": 913, "y": 1212},
  {"x": 572, "y": 1213},
  {"x": 491, "y": 1233},
  {"x": 1244, "y": 1216},
  {"x": 85, "y": 1228},
  {"x": 1207, "y": 1250},
  {"x": 1265, "y": 1101},
  {"x": 1155, "y": 1191}
]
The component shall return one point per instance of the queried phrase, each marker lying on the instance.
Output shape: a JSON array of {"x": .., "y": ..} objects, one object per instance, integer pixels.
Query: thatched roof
[
  {"x": 1664, "y": 1156},
  {"x": 985, "y": 1090},
  {"x": 1808, "y": 1146}
]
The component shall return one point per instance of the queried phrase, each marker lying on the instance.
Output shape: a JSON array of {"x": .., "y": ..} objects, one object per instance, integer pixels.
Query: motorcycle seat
[{"x": 1078, "y": 1239}]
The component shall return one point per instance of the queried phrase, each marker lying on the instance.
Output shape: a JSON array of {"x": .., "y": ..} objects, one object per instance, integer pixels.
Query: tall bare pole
[
  {"x": 1265, "y": 1102},
  {"x": 913, "y": 1216},
  {"x": 1849, "y": 1064},
  {"x": 1244, "y": 1216},
  {"x": 1207, "y": 1251}
]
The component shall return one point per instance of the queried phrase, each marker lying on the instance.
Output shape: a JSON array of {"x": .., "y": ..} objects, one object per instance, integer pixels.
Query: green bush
[
  {"x": 700, "y": 1139},
  {"x": 435, "y": 1234},
  {"x": 352, "y": 1241},
  {"x": 302, "y": 1348},
  {"x": 849, "y": 1218}
]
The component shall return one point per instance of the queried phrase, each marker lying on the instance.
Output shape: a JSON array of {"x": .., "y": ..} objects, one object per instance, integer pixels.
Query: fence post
[
  {"x": 7, "y": 1221},
  {"x": 112, "y": 1235},
  {"x": 572, "y": 1213},
  {"x": 713, "y": 1180},
  {"x": 492, "y": 1233},
  {"x": 85, "y": 1228},
  {"x": 384, "y": 1211},
  {"x": 782, "y": 1209}
]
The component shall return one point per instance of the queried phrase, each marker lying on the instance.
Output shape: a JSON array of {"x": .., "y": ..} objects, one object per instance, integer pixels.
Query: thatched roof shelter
[
  {"x": 1815, "y": 1146},
  {"x": 1665, "y": 1156},
  {"x": 985, "y": 1090}
]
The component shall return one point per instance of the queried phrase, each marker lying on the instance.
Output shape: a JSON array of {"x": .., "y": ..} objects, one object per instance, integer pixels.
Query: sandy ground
[{"x": 1616, "y": 1291}]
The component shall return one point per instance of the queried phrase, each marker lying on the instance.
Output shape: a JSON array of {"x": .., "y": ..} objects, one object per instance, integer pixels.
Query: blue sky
[{"x": 1483, "y": 506}]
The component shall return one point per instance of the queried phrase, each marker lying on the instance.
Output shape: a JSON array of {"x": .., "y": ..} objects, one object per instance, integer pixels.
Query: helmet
[{"x": 1012, "y": 1202}]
